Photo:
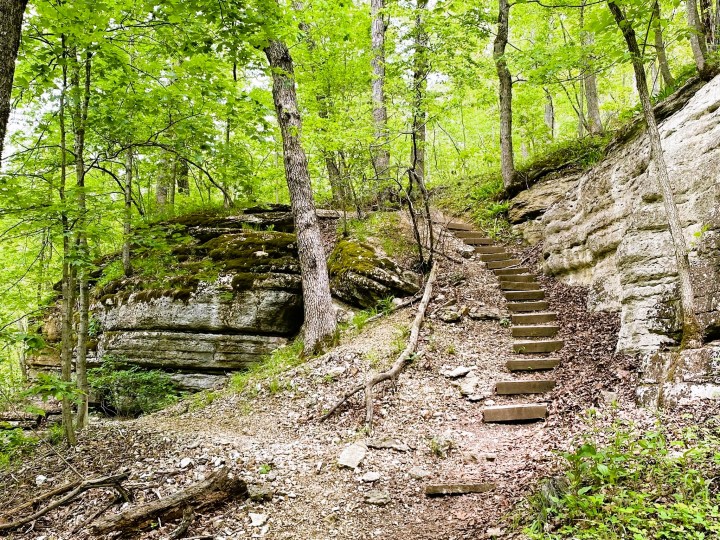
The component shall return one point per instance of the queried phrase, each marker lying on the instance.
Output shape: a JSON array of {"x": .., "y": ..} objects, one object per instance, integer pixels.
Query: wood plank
[
  {"x": 514, "y": 413},
  {"x": 540, "y": 330},
  {"x": 516, "y": 278},
  {"x": 512, "y": 296},
  {"x": 519, "y": 286},
  {"x": 487, "y": 257},
  {"x": 527, "y": 347},
  {"x": 490, "y": 249},
  {"x": 511, "y": 271},
  {"x": 478, "y": 241},
  {"x": 528, "y": 306},
  {"x": 437, "y": 490},
  {"x": 532, "y": 364},
  {"x": 505, "y": 388},
  {"x": 495, "y": 265},
  {"x": 534, "y": 318}
]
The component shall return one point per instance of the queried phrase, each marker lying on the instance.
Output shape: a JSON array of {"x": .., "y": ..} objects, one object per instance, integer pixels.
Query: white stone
[
  {"x": 257, "y": 520},
  {"x": 370, "y": 477},
  {"x": 352, "y": 455}
]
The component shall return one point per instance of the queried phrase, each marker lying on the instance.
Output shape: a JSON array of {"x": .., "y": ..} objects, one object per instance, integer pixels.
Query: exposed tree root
[{"x": 398, "y": 366}]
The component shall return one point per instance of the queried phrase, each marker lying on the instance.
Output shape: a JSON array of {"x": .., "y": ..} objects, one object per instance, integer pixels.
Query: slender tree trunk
[
  {"x": 68, "y": 285},
  {"x": 717, "y": 26},
  {"x": 81, "y": 100},
  {"x": 183, "y": 179},
  {"x": 420, "y": 74},
  {"x": 127, "y": 217},
  {"x": 320, "y": 319},
  {"x": 660, "y": 47},
  {"x": 11, "y": 17},
  {"x": 507, "y": 163},
  {"x": 706, "y": 22},
  {"x": 162, "y": 185},
  {"x": 697, "y": 37},
  {"x": 549, "y": 113},
  {"x": 590, "y": 81},
  {"x": 691, "y": 328},
  {"x": 381, "y": 153}
]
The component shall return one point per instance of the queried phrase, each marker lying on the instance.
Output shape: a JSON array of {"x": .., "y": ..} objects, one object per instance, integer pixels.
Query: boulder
[{"x": 361, "y": 277}]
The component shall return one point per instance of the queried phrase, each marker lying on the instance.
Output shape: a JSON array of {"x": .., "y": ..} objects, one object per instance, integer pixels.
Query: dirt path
[{"x": 274, "y": 440}]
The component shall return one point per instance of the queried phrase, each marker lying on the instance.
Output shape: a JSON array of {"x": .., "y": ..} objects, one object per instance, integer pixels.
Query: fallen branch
[
  {"x": 103, "y": 482},
  {"x": 400, "y": 364},
  {"x": 217, "y": 488}
]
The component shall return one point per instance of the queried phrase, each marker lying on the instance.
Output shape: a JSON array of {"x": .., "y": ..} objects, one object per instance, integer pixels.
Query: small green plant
[
  {"x": 451, "y": 349},
  {"x": 200, "y": 400},
  {"x": 265, "y": 468},
  {"x": 644, "y": 486},
  {"x": 281, "y": 360},
  {"x": 14, "y": 443},
  {"x": 440, "y": 447},
  {"x": 505, "y": 322},
  {"x": 128, "y": 390}
]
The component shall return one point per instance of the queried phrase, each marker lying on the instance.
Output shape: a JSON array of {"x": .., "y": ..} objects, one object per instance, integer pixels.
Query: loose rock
[{"x": 352, "y": 456}]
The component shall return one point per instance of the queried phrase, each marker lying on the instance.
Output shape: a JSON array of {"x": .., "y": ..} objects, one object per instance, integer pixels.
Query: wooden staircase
[{"x": 533, "y": 327}]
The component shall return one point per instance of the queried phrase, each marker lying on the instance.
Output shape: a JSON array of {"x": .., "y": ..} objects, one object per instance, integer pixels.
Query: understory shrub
[
  {"x": 14, "y": 443},
  {"x": 655, "y": 485},
  {"x": 123, "y": 389}
]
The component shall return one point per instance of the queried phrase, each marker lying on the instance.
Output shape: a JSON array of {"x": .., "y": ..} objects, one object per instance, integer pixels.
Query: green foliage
[
  {"x": 268, "y": 370},
  {"x": 128, "y": 390},
  {"x": 14, "y": 444},
  {"x": 639, "y": 486},
  {"x": 380, "y": 228},
  {"x": 48, "y": 385}
]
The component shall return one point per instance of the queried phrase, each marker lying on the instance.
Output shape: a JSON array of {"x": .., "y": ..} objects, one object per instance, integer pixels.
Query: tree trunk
[
  {"x": 68, "y": 285},
  {"x": 549, "y": 114},
  {"x": 11, "y": 17},
  {"x": 183, "y": 178},
  {"x": 706, "y": 22},
  {"x": 595, "y": 126},
  {"x": 507, "y": 163},
  {"x": 697, "y": 37},
  {"x": 81, "y": 102},
  {"x": 127, "y": 217},
  {"x": 691, "y": 328},
  {"x": 320, "y": 319},
  {"x": 162, "y": 185},
  {"x": 420, "y": 74},
  {"x": 660, "y": 47},
  {"x": 381, "y": 153}
]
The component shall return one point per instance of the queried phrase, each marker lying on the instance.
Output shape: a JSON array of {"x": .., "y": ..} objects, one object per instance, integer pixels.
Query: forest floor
[{"x": 270, "y": 436}]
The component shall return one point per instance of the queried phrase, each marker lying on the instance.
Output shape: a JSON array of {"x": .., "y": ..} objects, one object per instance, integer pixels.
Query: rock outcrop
[
  {"x": 212, "y": 295},
  {"x": 606, "y": 228}
]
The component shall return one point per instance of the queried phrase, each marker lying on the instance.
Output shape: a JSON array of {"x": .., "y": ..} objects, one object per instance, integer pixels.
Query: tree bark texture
[
  {"x": 381, "y": 153},
  {"x": 549, "y": 114},
  {"x": 691, "y": 327},
  {"x": 11, "y": 17},
  {"x": 663, "y": 64},
  {"x": 420, "y": 74},
  {"x": 80, "y": 85},
  {"x": 127, "y": 217},
  {"x": 320, "y": 319},
  {"x": 592, "y": 100},
  {"x": 697, "y": 37},
  {"x": 507, "y": 163}
]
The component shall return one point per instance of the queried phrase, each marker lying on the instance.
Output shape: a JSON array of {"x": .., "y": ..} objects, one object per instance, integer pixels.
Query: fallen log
[
  {"x": 77, "y": 490},
  {"x": 216, "y": 489},
  {"x": 398, "y": 366}
]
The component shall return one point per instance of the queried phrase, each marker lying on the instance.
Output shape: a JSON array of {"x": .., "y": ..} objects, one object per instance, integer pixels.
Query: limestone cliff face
[{"x": 606, "y": 228}]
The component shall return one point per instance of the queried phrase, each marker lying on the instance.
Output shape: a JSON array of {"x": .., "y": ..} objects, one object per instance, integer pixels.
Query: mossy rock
[{"x": 359, "y": 276}]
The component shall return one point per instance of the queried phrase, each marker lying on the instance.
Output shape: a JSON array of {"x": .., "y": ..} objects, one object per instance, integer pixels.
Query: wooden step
[
  {"x": 487, "y": 257},
  {"x": 489, "y": 249},
  {"x": 532, "y": 364},
  {"x": 478, "y": 241},
  {"x": 528, "y": 306},
  {"x": 543, "y": 330},
  {"x": 511, "y": 271},
  {"x": 495, "y": 265},
  {"x": 457, "y": 226},
  {"x": 506, "y": 388},
  {"x": 468, "y": 233},
  {"x": 514, "y": 413},
  {"x": 534, "y": 318},
  {"x": 517, "y": 278},
  {"x": 512, "y": 296},
  {"x": 541, "y": 346},
  {"x": 519, "y": 286}
]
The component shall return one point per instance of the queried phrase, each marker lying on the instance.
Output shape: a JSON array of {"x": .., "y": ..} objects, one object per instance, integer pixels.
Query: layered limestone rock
[
  {"x": 607, "y": 229},
  {"x": 213, "y": 296}
]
